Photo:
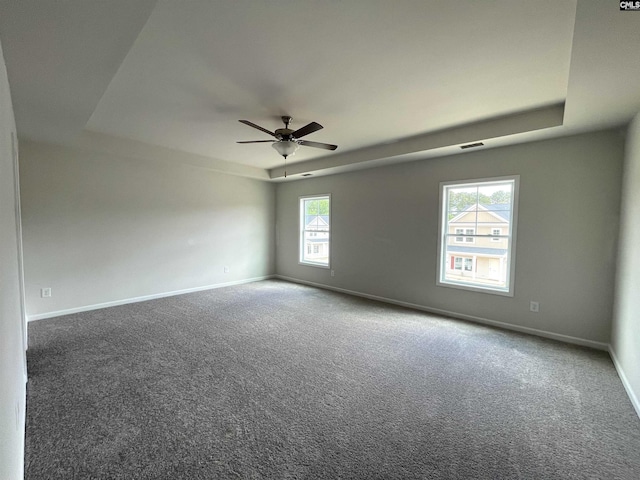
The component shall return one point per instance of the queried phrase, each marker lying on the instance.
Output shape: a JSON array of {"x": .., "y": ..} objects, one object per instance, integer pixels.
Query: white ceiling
[{"x": 389, "y": 80}]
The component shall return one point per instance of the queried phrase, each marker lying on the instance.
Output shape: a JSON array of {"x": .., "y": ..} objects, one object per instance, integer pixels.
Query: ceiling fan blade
[
  {"x": 251, "y": 124},
  {"x": 326, "y": 146},
  {"x": 307, "y": 129},
  {"x": 257, "y": 141}
]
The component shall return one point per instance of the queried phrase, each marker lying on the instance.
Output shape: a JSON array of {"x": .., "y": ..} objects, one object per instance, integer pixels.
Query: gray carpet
[{"x": 277, "y": 380}]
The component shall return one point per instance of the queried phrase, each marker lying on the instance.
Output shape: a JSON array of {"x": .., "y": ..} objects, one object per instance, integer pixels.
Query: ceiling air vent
[{"x": 472, "y": 145}]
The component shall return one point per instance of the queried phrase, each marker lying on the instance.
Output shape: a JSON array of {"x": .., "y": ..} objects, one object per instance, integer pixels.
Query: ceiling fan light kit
[
  {"x": 287, "y": 141},
  {"x": 286, "y": 147}
]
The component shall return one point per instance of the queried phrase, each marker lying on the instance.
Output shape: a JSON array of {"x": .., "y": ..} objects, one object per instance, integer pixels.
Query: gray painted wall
[
  {"x": 625, "y": 336},
  {"x": 101, "y": 228},
  {"x": 385, "y": 232},
  {"x": 12, "y": 374}
]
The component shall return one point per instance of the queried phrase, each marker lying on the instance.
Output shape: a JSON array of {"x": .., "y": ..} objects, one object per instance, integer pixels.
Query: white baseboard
[
  {"x": 86, "y": 308},
  {"x": 461, "y": 316},
  {"x": 625, "y": 381}
]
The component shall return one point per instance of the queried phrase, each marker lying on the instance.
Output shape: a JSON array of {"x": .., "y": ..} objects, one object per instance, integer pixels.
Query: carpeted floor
[{"x": 276, "y": 380}]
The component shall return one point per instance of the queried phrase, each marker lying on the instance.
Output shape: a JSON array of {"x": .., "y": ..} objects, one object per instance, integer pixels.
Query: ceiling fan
[{"x": 286, "y": 140}]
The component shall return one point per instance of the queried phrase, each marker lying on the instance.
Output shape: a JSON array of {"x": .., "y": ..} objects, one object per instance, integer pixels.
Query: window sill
[
  {"x": 311, "y": 264},
  {"x": 475, "y": 288}
]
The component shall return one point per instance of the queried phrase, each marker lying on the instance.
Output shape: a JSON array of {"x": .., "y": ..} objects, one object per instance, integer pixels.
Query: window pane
[
  {"x": 316, "y": 248},
  {"x": 311, "y": 207},
  {"x": 491, "y": 265},
  {"x": 461, "y": 199}
]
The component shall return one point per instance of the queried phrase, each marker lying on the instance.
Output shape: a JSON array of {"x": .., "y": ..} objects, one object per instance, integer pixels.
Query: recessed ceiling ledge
[
  {"x": 520, "y": 122},
  {"x": 101, "y": 143}
]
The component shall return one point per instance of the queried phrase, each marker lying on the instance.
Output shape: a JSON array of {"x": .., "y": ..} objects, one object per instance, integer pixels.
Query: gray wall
[
  {"x": 12, "y": 374},
  {"x": 625, "y": 336},
  {"x": 385, "y": 233},
  {"x": 102, "y": 228}
]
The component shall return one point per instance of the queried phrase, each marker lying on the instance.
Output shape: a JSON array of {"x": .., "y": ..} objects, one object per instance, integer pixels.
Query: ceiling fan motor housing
[{"x": 284, "y": 133}]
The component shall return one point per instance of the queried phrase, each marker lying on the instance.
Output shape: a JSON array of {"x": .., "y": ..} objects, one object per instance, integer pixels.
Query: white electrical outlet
[
  {"x": 534, "y": 306},
  {"x": 45, "y": 292},
  {"x": 333, "y": 274},
  {"x": 226, "y": 269}
]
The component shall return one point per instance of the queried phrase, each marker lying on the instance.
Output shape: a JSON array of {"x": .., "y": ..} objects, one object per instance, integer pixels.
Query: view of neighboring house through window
[
  {"x": 315, "y": 221},
  {"x": 477, "y": 240}
]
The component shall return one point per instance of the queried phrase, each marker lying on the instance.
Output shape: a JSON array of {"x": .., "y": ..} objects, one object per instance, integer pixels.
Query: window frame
[
  {"x": 443, "y": 237},
  {"x": 301, "y": 231}
]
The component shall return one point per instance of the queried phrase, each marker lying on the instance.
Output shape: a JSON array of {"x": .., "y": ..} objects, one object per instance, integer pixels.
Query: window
[
  {"x": 458, "y": 261},
  {"x": 465, "y": 231},
  {"x": 475, "y": 215},
  {"x": 469, "y": 231},
  {"x": 315, "y": 230}
]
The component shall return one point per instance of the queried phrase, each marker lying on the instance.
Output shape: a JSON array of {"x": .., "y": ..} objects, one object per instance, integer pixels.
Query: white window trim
[
  {"x": 301, "y": 231},
  {"x": 511, "y": 259}
]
